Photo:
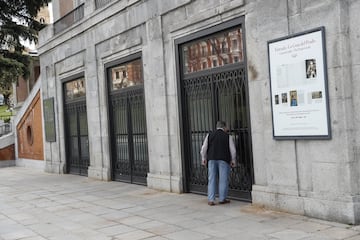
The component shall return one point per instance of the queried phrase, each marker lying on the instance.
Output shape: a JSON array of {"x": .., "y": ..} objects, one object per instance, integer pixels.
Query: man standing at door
[{"x": 219, "y": 154}]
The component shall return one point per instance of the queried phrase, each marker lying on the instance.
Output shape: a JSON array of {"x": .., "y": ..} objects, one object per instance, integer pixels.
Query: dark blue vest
[{"x": 218, "y": 146}]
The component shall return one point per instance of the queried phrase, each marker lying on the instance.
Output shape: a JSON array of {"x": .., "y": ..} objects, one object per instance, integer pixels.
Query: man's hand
[
  {"x": 204, "y": 162},
  {"x": 232, "y": 164}
]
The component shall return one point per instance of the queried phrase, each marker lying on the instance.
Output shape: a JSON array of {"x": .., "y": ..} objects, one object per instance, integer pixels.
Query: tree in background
[{"x": 17, "y": 23}]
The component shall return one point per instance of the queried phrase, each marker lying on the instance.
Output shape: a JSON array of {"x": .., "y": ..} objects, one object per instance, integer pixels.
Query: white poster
[{"x": 299, "y": 86}]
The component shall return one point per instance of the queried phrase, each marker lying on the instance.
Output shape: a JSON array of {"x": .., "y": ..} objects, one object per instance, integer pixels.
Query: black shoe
[{"x": 225, "y": 201}]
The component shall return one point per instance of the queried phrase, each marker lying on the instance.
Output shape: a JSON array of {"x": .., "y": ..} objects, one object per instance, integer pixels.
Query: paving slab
[{"x": 35, "y": 205}]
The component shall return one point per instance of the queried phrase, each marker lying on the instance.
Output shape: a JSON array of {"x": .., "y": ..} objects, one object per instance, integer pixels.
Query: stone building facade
[{"x": 136, "y": 85}]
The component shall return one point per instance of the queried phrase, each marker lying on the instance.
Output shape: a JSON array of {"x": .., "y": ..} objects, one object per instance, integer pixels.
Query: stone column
[
  {"x": 56, "y": 9},
  {"x": 274, "y": 161},
  {"x": 89, "y": 7},
  {"x": 97, "y": 169},
  {"x": 54, "y": 152},
  {"x": 160, "y": 175}
]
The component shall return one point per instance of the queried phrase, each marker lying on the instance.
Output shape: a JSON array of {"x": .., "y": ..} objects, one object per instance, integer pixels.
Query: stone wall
[
  {"x": 7, "y": 153},
  {"x": 318, "y": 178},
  {"x": 30, "y": 132}
]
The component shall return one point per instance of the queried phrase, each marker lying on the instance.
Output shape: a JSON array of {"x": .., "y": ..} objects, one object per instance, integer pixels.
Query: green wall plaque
[{"x": 49, "y": 119}]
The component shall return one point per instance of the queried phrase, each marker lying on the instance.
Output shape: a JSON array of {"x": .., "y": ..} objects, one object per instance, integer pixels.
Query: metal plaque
[{"x": 49, "y": 119}]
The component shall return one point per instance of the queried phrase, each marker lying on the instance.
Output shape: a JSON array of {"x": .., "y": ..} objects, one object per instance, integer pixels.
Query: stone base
[
  {"x": 333, "y": 210},
  {"x": 165, "y": 183},
  {"x": 345, "y": 209},
  {"x": 99, "y": 173},
  {"x": 31, "y": 163},
  {"x": 7, "y": 163},
  {"x": 51, "y": 167}
]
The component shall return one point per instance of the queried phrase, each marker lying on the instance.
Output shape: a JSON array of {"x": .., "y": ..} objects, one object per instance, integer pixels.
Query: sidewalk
[{"x": 36, "y": 206}]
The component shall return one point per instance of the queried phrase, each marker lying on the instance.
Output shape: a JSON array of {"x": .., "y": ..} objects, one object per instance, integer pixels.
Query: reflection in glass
[
  {"x": 126, "y": 75},
  {"x": 75, "y": 89},
  {"x": 213, "y": 51}
]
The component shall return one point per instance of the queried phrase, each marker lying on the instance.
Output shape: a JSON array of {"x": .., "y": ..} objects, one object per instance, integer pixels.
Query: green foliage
[
  {"x": 7, "y": 120},
  {"x": 17, "y": 23},
  {"x": 5, "y": 114}
]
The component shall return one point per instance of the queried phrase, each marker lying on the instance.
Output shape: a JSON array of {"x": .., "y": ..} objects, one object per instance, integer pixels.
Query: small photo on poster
[
  {"x": 293, "y": 98},
  {"x": 310, "y": 68},
  {"x": 276, "y": 99},
  {"x": 284, "y": 98},
  {"x": 317, "y": 96}
]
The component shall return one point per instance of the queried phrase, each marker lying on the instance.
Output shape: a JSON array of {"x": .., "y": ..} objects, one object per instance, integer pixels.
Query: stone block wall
[{"x": 318, "y": 178}]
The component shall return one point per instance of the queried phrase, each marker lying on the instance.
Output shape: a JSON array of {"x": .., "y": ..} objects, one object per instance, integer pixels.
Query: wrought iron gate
[
  {"x": 128, "y": 121},
  {"x": 208, "y": 98},
  {"x": 76, "y": 128},
  {"x": 214, "y": 87},
  {"x": 129, "y": 139}
]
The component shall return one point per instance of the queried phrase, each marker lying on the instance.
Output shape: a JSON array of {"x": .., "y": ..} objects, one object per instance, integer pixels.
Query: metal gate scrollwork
[
  {"x": 208, "y": 98},
  {"x": 129, "y": 158},
  {"x": 77, "y": 141},
  {"x": 212, "y": 71}
]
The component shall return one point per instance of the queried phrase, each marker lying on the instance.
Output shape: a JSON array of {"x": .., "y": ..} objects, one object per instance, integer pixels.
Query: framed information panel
[{"x": 298, "y": 85}]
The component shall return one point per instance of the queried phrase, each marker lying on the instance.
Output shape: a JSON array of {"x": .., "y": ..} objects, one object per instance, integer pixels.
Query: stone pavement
[{"x": 35, "y": 205}]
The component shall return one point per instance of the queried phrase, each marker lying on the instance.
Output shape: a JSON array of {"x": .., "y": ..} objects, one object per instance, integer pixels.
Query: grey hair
[{"x": 220, "y": 124}]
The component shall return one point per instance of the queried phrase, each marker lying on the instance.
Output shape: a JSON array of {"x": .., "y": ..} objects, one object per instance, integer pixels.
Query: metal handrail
[
  {"x": 69, "y": 19},
  {"x": 5, "y": 128}
]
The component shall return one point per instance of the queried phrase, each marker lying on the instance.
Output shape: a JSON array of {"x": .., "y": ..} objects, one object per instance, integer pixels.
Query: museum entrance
[
  {"x": 129, "y": 148},
  {"x": 214, "y": 87},
  {"x": 76, "y": 127}
]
